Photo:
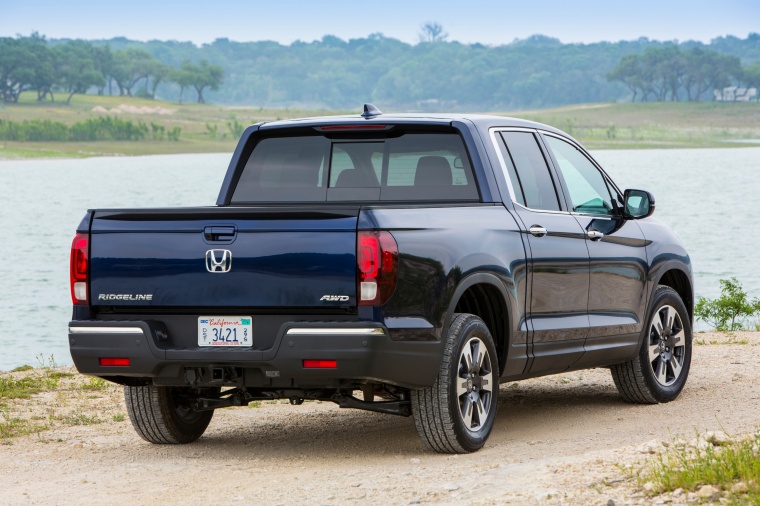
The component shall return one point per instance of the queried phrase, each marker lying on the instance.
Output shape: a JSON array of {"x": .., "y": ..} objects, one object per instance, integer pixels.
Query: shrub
[{"x": 727, "y": 312}]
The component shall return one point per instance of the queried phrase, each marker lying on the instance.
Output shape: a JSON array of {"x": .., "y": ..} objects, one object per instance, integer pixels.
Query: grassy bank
[
  {"x": 210, "y": 128},
  {"x": 204, "y": 128},
  {"x": 656, "y": 124}
]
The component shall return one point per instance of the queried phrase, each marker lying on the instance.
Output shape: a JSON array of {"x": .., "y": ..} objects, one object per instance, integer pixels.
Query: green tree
[
  {"x": 43, "y": 76},
  {"x": 23, "y": 62},
  {"x": 129, "y": 67},
  {"x": 182, "y": 77},
  {"x": 727, "y": 312},
  {"x": 104, "y": 63},
  {"x": 202, "y": 76},
  {"x": 77, "y": 67},
  {"x": 159, "y": 72},
  {"x": 628, "y": 71}
]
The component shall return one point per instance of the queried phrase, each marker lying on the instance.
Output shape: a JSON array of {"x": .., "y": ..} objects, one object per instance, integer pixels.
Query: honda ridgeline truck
[{"x": 403, "y": 264}]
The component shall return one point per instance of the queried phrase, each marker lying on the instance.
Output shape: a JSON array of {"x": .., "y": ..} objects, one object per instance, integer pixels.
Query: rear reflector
[
  {"x": 320, "y": 364},
  {"x": 114, "y": 362}
]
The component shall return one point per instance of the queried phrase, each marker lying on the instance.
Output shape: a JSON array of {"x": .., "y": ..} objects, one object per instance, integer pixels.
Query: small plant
[
  {"x": 727, "y": 312},
  {"x": 78, "y": 418},
  {"x": 95, "y": 384},
  {"x": 22, "y": 368},
  {"x": 173, "y": 134},
  {"x": 118, "y": 417},
  {"x": 733, "y": 467},
  {"x": 235, "y": 127},
  {"x": 157, "y": 131},
  {"x": 211, "y": 130}
]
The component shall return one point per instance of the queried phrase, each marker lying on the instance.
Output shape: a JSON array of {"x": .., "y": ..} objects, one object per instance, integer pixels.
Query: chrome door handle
[
  {"x": 594, "y": 235},
  {"x": 537, "y": 230}
]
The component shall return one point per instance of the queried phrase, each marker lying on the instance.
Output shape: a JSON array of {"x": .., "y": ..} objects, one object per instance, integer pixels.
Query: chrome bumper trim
[
  {"x": 105, "y": 330},
  {"x": 334, "y": 331}
]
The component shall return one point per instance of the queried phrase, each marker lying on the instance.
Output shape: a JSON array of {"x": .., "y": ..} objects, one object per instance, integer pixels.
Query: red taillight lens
[
  {"x": 79, "y": 269},
  {"x": 114, "y": 362},
  {"x": 320, "y": 364},
  {"x": 377, "y": 266}
]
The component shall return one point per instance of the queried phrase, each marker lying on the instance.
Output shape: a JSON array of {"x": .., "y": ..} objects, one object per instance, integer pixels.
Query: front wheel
[
  {"x": 658, "y": 372},
  {"x": 457, "y": 413},
  {"x": 164, "y": 415}
]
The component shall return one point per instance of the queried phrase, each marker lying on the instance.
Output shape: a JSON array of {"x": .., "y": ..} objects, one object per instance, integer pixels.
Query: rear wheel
[
  {"x": 164, "y": 415},
  {"x": 658, "y": 372},
  {"x": 457, "y": 413}
]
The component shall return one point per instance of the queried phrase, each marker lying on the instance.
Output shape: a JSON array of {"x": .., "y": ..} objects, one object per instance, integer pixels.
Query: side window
[
  {"x": 528, "y": 172},
  {"x": 588, "y": 189}
]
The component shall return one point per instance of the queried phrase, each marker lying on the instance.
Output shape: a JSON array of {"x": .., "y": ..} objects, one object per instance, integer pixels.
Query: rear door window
[{"x": 528, "y": 172}]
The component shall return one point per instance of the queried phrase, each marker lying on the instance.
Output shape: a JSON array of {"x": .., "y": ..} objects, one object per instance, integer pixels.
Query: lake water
[{"x": 709, "y": 196}]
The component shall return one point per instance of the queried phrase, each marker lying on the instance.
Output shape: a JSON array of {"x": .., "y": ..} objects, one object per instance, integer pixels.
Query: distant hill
[{"x": 536, "y": 72}]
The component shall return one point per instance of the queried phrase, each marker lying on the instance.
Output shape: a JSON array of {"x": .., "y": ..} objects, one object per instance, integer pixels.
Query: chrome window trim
[{"x": 494, "y": 140}]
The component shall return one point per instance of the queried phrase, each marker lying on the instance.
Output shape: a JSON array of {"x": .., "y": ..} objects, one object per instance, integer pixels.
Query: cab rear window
[{"x": 313, "y": 168}]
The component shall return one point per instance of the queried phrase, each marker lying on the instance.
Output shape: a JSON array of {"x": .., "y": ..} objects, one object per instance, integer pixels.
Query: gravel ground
[{"x": 564, "y": 439}]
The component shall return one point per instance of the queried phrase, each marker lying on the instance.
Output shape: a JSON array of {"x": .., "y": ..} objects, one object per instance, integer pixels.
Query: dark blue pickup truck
[{"x": 403, "y": 264}]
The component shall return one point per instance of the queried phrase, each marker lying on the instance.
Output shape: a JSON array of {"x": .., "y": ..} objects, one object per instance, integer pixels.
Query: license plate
[{"x": 225, "y": 331}]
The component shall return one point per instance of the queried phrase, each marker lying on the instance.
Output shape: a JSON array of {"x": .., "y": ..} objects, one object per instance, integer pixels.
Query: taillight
[
  {"x": 79, "y": 269},
  {"x": 377, "y": 266}
]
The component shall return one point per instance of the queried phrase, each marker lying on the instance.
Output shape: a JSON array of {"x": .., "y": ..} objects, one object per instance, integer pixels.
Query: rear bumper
[{"x": 363, "y": 351}]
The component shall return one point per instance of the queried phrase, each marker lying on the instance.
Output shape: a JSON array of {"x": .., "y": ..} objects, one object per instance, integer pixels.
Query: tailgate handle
[{"x": 219, "y": 234}]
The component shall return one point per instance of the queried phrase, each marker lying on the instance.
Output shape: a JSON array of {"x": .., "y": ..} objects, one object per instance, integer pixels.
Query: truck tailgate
[{"x": 227, "y": 257}]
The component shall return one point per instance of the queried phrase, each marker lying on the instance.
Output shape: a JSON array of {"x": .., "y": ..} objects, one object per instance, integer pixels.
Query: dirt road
[{"x": 560, "y": 439}]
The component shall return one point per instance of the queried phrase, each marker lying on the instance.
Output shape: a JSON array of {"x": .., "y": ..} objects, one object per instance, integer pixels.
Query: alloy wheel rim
[
  {"x": 667, "y": 345},
  {"x": 474, "y": 387}
]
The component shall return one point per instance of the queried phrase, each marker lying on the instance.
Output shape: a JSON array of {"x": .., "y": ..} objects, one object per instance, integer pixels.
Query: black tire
[
  {"x": 163, "y": 415},
  {"x": 658, "y": 372},
  {"x": 474, "y": 391}
]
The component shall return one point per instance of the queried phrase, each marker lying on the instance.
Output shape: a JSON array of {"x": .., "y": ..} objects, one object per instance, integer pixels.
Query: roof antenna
[{"x": 370, "y": 111}]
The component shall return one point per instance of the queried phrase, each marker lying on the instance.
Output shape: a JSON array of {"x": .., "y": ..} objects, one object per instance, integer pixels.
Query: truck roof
[{"x": 481, "y": 121}]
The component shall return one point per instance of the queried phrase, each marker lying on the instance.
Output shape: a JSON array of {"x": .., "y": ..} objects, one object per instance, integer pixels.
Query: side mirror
[{"x": 638, "y": 204}]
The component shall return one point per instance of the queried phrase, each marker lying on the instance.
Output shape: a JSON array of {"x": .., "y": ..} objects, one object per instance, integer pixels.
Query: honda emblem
[{"x": 218, "y": 260}]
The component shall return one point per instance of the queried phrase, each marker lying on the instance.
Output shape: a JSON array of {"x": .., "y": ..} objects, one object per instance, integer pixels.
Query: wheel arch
[
  {"x": 484, "y": 295},
  {"x": 677, "y": 279}
]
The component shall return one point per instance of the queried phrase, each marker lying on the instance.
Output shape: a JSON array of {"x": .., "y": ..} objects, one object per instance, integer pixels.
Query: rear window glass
[{"x": 414, "y": 166}]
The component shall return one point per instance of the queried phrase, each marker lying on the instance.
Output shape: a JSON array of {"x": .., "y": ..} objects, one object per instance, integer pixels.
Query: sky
[{"x": 491, "y": 22}]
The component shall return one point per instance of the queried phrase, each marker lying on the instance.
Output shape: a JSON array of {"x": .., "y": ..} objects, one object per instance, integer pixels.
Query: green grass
[
  {"x": 23, "y": 388},
  {"x": 78, "y": 418},
  {"x": 731, "y": 340},
  {"x": 723, "y": 467},
  {"x": 11, "y": 426}
]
